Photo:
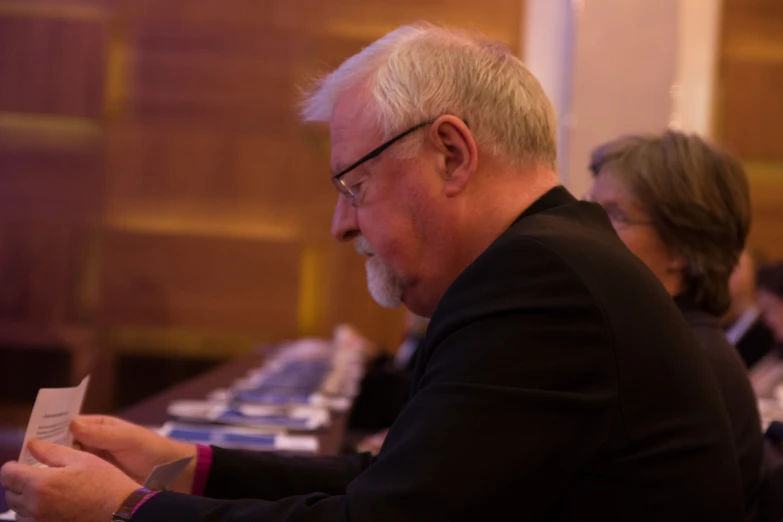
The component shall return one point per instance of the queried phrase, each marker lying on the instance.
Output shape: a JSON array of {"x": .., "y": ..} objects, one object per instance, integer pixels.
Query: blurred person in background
[
  {"x": 415, "y": 331},
  {"x": 386, "y": 386},
  {"x": 545, "y": 390},
  {"x": 744, "y": 324},
  {"x": 683, "y": 207},
  {"x": 769, "y": 297},
  {"x": 385, "y": 390}
]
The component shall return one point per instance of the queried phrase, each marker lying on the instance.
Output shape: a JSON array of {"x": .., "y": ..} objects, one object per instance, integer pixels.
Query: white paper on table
[
  {"x": 8, "y": 515},
  {"x": 241, "y": 438},
  {"x": 770, "y": 410},
  {"x": 163, "y": 476},
  {"x": 50, "y": 420},
  {"x": 272, "y": 417}
]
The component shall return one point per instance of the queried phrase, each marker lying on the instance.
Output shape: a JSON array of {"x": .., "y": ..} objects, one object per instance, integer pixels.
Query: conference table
[
  {"x": 765, "y": 376},
  {"x": 152, "y": 411}
]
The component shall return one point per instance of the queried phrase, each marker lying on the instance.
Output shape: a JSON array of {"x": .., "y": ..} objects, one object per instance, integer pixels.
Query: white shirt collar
[{"x": 741, "y": 326}]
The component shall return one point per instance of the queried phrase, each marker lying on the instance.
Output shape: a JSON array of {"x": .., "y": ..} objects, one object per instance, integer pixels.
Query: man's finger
[
  {"x": 53, "y": 455},
  {"x": 14, "y": 476},
  {"x": 101, "y": 432},
  {"x": 15, "y": 503},
  {"x": 87, "y": 421}
]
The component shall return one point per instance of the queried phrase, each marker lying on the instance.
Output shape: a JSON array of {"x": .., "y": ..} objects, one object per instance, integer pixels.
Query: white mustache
[{"x": 363, "y": 246}]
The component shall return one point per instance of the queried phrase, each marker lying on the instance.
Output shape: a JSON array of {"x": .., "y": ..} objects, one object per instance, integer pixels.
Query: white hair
[{"x": 419, "y": 72}]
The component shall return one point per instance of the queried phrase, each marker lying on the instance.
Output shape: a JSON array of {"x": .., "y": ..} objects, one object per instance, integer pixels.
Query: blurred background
[{"x": 162, "y": 210}]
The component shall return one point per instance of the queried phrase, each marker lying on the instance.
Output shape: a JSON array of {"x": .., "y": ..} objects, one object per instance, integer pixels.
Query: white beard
[{"x": 385, "y": 288}]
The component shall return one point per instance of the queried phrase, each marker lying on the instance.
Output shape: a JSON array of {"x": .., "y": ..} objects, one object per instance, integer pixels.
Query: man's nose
[{"x": 344, "y": 225}]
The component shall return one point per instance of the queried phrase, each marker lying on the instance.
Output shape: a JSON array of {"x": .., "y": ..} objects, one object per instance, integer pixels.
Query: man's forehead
[
  {"x": 343, "y": 139},
  {"x": 352, "y": 134}
]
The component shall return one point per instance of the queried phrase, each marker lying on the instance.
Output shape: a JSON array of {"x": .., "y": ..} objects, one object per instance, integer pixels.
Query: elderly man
[{"x": 557, "y": 380}]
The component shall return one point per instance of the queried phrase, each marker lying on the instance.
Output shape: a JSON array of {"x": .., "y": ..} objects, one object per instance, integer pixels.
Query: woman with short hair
[{"x": 682, "y": 206}]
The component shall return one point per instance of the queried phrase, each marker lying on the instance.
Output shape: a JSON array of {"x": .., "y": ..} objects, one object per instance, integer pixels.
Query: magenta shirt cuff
[
  {"x": 203, "y": 465},
  {"x": 142, "y": 501}
]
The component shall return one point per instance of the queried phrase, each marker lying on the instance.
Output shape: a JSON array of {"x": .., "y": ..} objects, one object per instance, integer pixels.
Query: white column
[
  {"x": 626, "y": 59},
  {"x": 699, "y": 41},
  {"x": 614, "y": 67},
  {"x": 548, "y": 51}
]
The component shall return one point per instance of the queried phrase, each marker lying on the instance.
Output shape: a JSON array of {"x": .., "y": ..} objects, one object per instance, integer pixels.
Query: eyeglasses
[
  {"x": 351, "y": 192},
  {"x": 619, "y": 218}
]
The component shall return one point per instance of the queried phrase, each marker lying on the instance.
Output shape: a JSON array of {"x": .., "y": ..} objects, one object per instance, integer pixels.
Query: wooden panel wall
[
  {"x": 750, "y": 109},
  {"x": 157, "y": 192}
]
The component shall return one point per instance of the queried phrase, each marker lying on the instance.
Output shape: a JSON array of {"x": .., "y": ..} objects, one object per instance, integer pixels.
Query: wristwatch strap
[{"x": 123, "y": 514}]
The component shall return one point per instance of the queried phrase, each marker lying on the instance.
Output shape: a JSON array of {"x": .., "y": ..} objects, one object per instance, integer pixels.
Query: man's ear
[{"x": 453, "y": 139}]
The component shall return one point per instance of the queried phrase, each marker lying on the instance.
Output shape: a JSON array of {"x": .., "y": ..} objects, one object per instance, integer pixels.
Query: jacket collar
[{"x": 555, "y": 197}]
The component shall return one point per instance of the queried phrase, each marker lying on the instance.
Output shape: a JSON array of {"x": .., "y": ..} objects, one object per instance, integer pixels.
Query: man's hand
[
  {"x": 373, "y": 443},
  {"x": 133, "y": 449},
  {"x": 75, "y": 487}
]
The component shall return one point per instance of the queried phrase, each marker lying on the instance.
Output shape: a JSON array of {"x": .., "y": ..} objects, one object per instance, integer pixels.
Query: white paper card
[
  {"x": 8, "y": 515},
  {"x": 163, "y": 476},
  {"x": 50, "y": 420},
  {"x": 296, "y": 443}
]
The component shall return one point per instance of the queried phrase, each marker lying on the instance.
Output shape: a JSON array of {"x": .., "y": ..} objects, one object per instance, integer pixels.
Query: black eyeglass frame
[{"x": 343, "y": 188}]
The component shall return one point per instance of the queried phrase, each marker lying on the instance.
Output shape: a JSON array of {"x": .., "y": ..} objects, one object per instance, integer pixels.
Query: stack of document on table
[
  {"x": 770, "y": 411},
  {"x": 274, "y": 418},
  {"x": 240, "y": 438},
  {"x": 311, "y": 372},
  {"x": 771, "y": 408},
  {"x": 279, "y": 406}
]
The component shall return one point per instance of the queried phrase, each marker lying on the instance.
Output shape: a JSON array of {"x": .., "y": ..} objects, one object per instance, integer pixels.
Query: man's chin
[
  {"x": 387, "y": 304},
  {"x": 385, "y": 296},
  {"x": 384, "y": 287}
]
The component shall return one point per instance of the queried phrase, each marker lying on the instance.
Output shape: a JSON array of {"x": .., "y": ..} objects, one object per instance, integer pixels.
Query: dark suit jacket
[
  {"x": 738, "y": 396},
  {"x": 558, "y": 381}
]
